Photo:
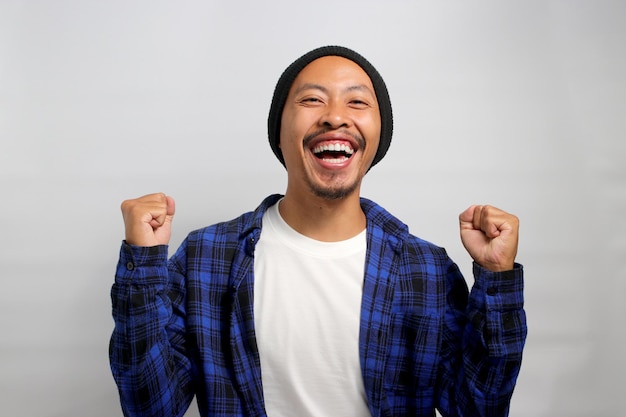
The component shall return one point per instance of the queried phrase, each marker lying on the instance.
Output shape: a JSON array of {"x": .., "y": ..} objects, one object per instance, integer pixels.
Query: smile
[{"x": 333, "y": 152}]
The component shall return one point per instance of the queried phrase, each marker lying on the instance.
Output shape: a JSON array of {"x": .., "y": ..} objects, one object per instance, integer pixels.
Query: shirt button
[
  {"x": 130, "y": 266},
  {"x": 491, "y": 291}
]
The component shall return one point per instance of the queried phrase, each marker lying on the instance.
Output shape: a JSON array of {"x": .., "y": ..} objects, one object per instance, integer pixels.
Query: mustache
[{"x": 357, "y": 138}]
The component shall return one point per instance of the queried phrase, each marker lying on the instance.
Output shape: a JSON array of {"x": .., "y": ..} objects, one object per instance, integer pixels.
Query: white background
[{"x": 520, "y": 104}]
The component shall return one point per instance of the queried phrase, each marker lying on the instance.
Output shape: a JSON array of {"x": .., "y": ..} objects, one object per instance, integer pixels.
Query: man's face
[{"x": 330, "y": 128}]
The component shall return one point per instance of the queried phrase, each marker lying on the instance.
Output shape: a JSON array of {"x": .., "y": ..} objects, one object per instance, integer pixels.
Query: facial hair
[{"x": 331, "y": 192}]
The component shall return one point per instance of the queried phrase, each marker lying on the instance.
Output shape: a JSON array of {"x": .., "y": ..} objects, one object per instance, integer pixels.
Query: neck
[{"x": 322, "y": 219}]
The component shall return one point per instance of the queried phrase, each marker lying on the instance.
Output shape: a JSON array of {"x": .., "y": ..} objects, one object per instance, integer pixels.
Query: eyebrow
[{"x": 313, "y": 86}]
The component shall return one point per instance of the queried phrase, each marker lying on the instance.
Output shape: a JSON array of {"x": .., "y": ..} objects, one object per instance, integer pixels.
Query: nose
[{"x": 335, "y": 116}]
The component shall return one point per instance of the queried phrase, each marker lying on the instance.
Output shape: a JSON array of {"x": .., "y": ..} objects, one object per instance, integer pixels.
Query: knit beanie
[{"x": 289, "y": 75}]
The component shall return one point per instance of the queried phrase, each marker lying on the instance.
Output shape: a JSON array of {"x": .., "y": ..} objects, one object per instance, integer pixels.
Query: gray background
[{"x": 520, "y": 104}]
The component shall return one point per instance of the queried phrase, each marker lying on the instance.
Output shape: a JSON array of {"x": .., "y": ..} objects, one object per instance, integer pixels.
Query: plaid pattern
[{"x": 185, "y": 327}]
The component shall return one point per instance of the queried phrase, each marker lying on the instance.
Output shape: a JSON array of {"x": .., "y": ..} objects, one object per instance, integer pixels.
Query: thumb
[
  {"x": 466, "y": 219},
  {"x": 171, "y": 206},
  {"x": 163, "y": 228},
  {"x": 170, "y": 210},
  {"x": 167, "y": 217}
]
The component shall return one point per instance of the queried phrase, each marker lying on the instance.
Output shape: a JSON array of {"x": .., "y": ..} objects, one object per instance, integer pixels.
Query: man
[{"x": 318, "y": 303}]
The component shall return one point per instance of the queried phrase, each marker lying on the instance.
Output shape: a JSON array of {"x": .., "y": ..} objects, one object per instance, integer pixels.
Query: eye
[
  {"x": 359, "y": 103},
  {"x": 310, "y": 100}
]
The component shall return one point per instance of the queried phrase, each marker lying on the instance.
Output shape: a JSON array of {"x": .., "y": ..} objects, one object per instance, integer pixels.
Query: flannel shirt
[{"x": 185, "y": 327}]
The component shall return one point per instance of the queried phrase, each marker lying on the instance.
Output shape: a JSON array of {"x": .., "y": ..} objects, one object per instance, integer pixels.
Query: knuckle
[
  {"x": 126, "y": 206},
  {"x": 515, "y": 220}
]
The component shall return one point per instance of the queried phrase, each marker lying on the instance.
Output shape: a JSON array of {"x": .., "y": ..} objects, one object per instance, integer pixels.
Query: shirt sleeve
[
  {"x": 483, "y": 342},
  {"x": 496, "y": 311},
  {"x": 147, "y": 347}
]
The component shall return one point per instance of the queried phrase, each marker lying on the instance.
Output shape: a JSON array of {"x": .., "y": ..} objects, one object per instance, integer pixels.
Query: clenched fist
[
  {"x": 148, "y": 219},
  {"x": 490, "y": 236}
]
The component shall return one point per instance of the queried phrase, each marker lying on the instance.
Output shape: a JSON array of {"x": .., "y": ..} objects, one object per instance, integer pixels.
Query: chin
[{"x": 334, "y": 193}]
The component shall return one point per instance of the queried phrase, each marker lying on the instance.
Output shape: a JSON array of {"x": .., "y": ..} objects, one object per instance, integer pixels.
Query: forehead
[{"x": 333, "y": 69}]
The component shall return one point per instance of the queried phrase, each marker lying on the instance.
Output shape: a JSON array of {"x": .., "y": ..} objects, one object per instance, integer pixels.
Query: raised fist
[
  {"x": 490, "y": 236},
  {"x": 148, "y": 219}
]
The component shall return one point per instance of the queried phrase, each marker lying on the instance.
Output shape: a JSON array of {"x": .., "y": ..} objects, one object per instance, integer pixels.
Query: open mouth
[{"x": 333, "y": 152}]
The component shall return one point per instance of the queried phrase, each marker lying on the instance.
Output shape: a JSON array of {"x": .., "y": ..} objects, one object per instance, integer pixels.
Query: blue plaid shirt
[{"x": 185, "y": 327}]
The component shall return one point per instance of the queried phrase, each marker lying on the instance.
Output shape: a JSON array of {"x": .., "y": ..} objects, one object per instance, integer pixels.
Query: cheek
[
  {"x": 288, "y": 142},
  {"x": 286, "y": 127},
  {"x": 370, "y": 127},
  {"x": 285, "y": 132},
  {"x": 295, "y": 125}
]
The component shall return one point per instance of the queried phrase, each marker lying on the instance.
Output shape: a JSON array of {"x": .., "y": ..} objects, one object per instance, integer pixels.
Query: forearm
[
  {"x": 483, "y": 351},
  {"x": 494, "y": 339},
  {"x": 496, "y": 311},
  {"x": 147, "y": 347}
]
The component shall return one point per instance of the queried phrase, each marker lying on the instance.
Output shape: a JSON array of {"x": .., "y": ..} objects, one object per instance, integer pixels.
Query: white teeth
[{"x": 334, "y": 147}]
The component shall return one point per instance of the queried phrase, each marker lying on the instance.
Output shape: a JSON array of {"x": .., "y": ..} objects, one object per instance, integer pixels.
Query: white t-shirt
[{"x": 307, "y": 306}]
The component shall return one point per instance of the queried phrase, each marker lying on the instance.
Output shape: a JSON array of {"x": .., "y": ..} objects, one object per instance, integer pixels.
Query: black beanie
[{"x": 289, "y": 75}]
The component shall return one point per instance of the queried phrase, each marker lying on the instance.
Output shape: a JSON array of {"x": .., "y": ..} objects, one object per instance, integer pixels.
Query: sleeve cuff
[
  {"x": 498, "y": 291},
  {"x": 141, "y": 265}
]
